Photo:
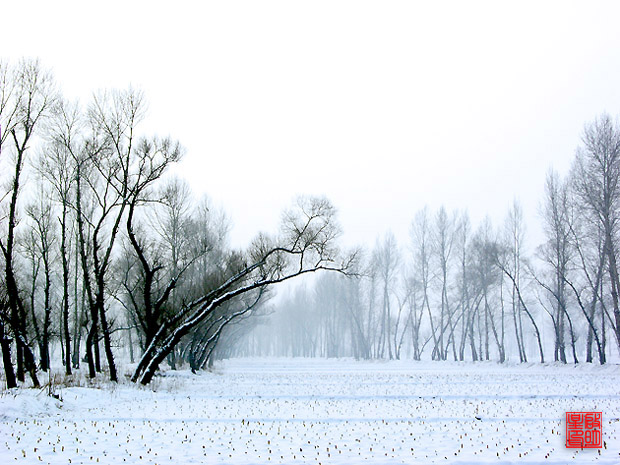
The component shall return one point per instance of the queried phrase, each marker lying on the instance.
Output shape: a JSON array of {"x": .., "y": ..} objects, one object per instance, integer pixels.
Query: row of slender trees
[
  {"x": 455, "y": 292},
  {"x": 101, "y": 249}
]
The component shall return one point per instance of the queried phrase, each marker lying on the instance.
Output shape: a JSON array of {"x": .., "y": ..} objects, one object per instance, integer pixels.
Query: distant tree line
[
  {"x": 102, "y": 251},
  {"x": 460, "y": 293}
]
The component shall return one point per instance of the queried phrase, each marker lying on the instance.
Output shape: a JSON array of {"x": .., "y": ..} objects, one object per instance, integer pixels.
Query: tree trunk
[
  {"x": 107, "y": 343},
  {"x": 91, "y": 340},
  {"x": 9, "y": 372},
  {"x": 65, "y": 289},
  {"x": 45, "y": 357},
  {"x": 516, "y": 324},
  {"x": 613, "y": 275}
]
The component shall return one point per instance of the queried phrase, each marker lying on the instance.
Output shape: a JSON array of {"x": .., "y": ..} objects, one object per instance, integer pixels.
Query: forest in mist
[{"x": 104, "y": 253}]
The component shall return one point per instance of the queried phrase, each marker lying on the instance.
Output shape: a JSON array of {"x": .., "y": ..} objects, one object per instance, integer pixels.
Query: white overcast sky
[{"x": 383, "y": 107}]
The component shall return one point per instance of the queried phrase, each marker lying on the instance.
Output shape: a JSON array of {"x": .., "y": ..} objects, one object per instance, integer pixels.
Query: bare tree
[
  {"x": 514, "y": 231},
  {"x": 421, "y": 248},
  {"x": 597, "y": 184},
  {"x": 557, "y": 253},
  {"x": 305, "y": 245},
  {"x": 24, "y": 104},
  {"x": 414, "y": 303},
  {"x": 386, "y": 259},
  {"x": 486, "y": 278},
  {"x": 157, "y": 157},
  {"x": 113, "y": 169},
  {"x": 360, "y": 319},
  {"x": 443, "y": 241},
  {"x": 44, "y": 235},
  {"x": 502, "y": 257},
  {"x": 57, "y": 166},
  {"x": 588, "y": 245},
  {"x": 462, "y": 242}
]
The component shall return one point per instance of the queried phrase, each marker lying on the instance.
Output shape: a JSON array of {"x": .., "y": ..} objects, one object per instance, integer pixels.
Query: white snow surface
[{"x": 263, "y": 411}]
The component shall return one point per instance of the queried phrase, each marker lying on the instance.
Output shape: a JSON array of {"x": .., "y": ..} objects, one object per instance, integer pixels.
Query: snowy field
[{"x": 256, "y": 411}]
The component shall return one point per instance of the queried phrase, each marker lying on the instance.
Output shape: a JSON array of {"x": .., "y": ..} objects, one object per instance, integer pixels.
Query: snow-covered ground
[{"x": 257, "y": 411}]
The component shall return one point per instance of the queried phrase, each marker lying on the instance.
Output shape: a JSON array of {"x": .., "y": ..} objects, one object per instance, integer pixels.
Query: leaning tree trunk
[{"x": 538, "y": 338}]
